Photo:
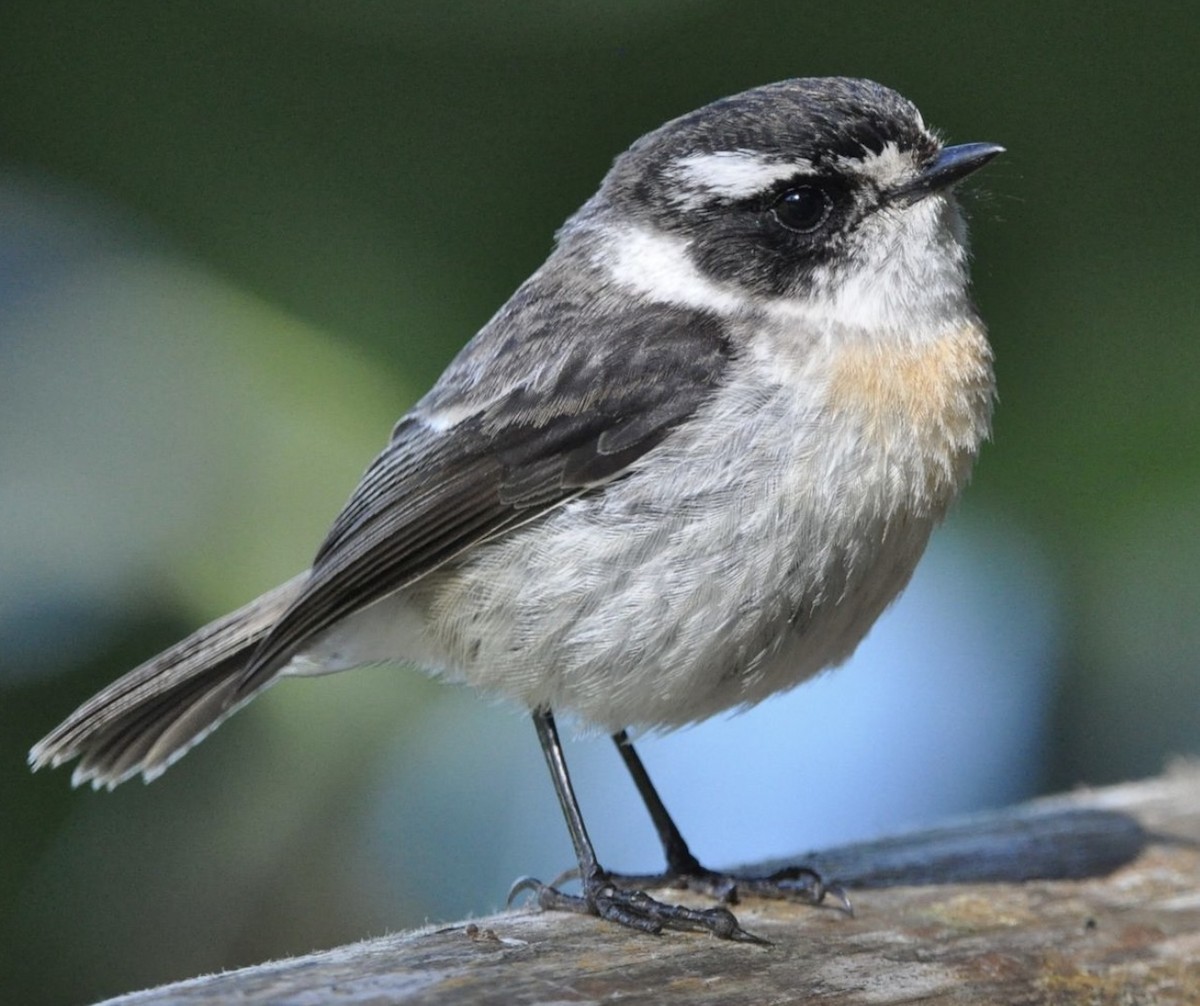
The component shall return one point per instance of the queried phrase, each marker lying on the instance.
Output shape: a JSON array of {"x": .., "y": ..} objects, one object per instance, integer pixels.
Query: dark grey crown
[{"x": 819, "y": 119}]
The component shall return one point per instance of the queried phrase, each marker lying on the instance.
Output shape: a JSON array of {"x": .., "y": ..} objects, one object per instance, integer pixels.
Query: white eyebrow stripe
[
  {"x": 731, "y": 174},
  {"x": 891, "y": 166}
]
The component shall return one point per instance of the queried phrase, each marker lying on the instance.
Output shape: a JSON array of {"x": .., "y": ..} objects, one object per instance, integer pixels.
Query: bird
[{"x": 684, "y": 468}]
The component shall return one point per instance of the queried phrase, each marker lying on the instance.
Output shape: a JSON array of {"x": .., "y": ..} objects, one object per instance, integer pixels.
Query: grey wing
[{"x": 535, "y": 440}]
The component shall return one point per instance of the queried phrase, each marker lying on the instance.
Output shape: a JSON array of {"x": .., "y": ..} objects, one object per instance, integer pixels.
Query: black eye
[{"x": 803, "y": 208}]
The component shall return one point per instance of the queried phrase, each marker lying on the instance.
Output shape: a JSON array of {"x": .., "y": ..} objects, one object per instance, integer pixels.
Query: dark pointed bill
[{"x": 952, "y": 165}]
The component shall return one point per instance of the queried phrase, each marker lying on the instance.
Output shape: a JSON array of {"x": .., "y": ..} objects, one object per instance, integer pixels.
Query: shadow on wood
[{"x": 1037, "y": 843}]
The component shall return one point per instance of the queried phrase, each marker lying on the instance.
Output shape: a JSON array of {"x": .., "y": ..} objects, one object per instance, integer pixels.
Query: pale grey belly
[{"x": 660, "y": 619}]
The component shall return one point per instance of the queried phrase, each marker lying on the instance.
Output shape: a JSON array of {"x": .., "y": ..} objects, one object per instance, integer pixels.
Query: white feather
[{"x": 730, "y": 174}]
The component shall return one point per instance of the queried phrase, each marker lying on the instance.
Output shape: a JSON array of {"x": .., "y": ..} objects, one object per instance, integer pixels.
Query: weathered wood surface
[{"x": 1089, "y": 898}]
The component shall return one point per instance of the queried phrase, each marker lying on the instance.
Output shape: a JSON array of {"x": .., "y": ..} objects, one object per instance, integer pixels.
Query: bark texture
[{"x": 1088, "y": 898}]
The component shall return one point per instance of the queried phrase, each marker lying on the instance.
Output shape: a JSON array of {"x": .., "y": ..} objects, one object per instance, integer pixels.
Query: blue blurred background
[{"x": 238, "y": 239}]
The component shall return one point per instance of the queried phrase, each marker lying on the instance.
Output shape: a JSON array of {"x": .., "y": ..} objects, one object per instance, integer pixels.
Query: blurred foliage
[{"x": 361, "y": 184}]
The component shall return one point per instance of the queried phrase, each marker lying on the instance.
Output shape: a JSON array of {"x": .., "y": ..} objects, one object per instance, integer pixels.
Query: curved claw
[
  {"x": 810, "y": 887},
  {"x": 520, "y": 885},
  {"x": 799, "y": 883},
  {"x": 838, "y": 893}
]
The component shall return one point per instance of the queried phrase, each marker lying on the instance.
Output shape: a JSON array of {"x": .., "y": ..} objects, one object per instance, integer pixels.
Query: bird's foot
[
  {"x": 604, "y": 897},
  {"x": 794, "y": 883}
]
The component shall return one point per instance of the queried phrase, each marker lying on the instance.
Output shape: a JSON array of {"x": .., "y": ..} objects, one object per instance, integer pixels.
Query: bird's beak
[{"x": 952, "y": 165}]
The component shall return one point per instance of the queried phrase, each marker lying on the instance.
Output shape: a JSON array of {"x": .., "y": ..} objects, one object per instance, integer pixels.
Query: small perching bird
[{"x": 685, "y": 467}]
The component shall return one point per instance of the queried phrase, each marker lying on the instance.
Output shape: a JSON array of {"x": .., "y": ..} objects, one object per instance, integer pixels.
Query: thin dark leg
[
  {"x": 684, "y": 870},
  {"x": 635, "y": 909},
  {"x": 547, "y": 731},
  {"x": 680, "y": 860}
]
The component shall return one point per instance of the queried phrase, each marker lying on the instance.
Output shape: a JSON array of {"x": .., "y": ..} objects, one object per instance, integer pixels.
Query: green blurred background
[{"x": 238, "y": 239}]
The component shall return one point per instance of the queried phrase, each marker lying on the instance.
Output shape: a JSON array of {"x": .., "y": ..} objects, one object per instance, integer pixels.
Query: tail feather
[{"x": 145, "y": 721}]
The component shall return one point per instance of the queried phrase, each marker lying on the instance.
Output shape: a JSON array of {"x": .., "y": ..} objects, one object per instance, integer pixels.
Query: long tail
[{"x": 148, "y": 719}]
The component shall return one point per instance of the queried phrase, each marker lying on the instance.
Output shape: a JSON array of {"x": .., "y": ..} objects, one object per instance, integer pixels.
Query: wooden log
[{"x": 1087, "y": 898}]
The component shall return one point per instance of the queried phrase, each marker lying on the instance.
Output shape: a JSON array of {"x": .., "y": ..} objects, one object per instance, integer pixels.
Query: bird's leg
[
  {"x": 685, "y": 872},
  {"x": 600, "y": 896},
  {"x": 680, "y": 861}
]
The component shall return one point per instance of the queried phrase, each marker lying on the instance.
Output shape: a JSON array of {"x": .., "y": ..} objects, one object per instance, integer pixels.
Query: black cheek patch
[{"x": 755, "y": 252}]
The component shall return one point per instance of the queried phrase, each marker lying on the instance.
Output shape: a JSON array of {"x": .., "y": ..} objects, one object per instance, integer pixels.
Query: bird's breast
[{"x": 922, "y": 407}]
